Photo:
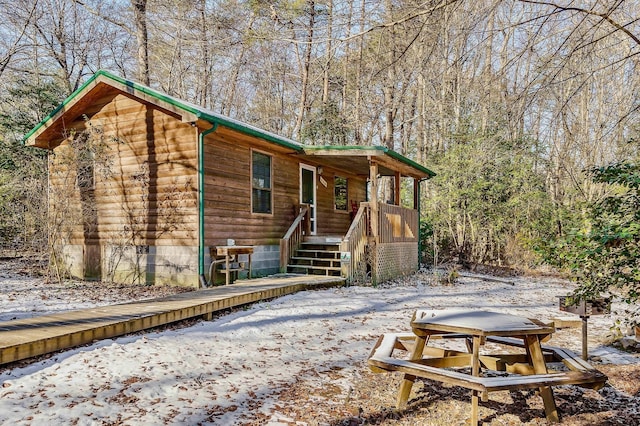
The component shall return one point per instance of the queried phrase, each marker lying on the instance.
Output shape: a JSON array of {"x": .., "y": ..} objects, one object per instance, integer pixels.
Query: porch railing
[
  {"x": 355, "y": 243},
  {"x": 293, "y": 238},
  {"x": 397, "y": 224}
]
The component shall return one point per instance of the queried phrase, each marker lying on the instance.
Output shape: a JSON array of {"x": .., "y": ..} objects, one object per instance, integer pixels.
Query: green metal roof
[
  {"x": 199, "y": 112},
  {"x": 377, "y": 148},
  {"x": 214, "y": 118}
]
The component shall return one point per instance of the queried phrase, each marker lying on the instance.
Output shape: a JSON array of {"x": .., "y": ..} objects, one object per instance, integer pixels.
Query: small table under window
[{"x": 228, "y": 257}]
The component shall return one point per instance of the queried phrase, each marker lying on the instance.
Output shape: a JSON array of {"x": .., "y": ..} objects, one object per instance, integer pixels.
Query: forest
[{"x": 528, "y": 110}]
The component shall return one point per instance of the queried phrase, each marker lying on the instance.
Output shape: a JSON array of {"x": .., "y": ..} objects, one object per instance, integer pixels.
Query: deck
[{"x": 30, "y": 337}]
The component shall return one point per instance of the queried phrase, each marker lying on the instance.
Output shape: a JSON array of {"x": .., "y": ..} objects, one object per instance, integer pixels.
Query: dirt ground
[{"x": 371, "y": 399}]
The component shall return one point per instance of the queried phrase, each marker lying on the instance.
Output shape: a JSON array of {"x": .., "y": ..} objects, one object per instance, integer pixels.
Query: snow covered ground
[
  {"x": 231, "y": 370},
  {"x": 24, "y": 296}
]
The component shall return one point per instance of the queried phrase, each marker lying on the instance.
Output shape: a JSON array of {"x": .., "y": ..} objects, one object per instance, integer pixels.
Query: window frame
[{"x": 253, "y": 187}]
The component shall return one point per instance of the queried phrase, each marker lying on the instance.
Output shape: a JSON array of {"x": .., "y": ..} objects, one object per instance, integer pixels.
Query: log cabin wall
[
  {"x": 330, "y": 220},
  {"x": 228, "y": 209},
  {"x": 138, "y": 221}
]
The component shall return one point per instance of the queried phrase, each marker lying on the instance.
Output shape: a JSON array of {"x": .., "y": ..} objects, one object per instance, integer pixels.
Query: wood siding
[
  {"x": 228, "y": 213},
  {"x": 330, "y": 220},
  {"x": 145, "y": 189}
]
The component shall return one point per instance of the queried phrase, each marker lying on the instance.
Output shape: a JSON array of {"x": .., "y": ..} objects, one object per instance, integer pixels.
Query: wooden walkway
[{"x": 30, "y": 337}]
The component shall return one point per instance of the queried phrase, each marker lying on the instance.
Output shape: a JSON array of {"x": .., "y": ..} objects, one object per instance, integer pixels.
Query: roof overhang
[
  {"x": 54, "y": 128},
  {"x": 357, "y": 160}
]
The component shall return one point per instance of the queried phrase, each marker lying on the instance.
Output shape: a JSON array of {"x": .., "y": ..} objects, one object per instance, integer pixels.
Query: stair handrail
[
  {"x": 355, "y": 243},
  {"x": 293, "y": 237}
]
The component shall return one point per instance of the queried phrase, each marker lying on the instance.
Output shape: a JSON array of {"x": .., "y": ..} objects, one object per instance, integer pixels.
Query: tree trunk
[
  {"x": 204, "y": 83},
  {"x": 306, "y": 66},
  {"x": 140, "y": 19},
  {"x": 390, "y": 84},
  {"x": 328, "y": 55}
]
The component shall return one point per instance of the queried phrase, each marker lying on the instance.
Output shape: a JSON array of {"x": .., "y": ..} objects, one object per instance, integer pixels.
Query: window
[
  {"x": 340, "y": 193},
  {"x": 261, "y": 183}
]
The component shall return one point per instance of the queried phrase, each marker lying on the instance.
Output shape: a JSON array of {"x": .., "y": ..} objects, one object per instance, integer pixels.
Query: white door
[{"x": 308, "y": 192}]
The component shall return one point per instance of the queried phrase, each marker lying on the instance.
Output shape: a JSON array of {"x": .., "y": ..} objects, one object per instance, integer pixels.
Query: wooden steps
[
  {"x": 317, "y": 256},
  {"x": 30, "y": 337}
]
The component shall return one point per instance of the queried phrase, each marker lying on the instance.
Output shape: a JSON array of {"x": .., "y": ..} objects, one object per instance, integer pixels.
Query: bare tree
[
  {"x": 304, "y": 60},
  {"x": 15, "y": 28},
  {"x": 140, "y": 20}
]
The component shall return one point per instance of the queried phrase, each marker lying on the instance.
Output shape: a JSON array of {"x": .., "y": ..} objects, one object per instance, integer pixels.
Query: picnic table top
[{"x": 478, "y": 323}]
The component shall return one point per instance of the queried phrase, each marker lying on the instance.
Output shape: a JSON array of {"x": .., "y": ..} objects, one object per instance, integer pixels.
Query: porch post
[
  {"x": 416, "y": 206},
  {"x": 373, "y": 179},
  {"x": 396, "y": 189}
]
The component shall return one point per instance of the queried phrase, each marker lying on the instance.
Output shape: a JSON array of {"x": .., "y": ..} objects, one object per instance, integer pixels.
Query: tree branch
[
  {"x": 14, "y": 49},
  {"x": 606, "y": 16},
  {"x": 106, "y": 18},
  {"x": 409, "y": 17}
]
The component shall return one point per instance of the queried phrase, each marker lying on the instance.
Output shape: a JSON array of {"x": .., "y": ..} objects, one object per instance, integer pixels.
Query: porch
[
  {"x": 371, "y": 251},
  {"x": 382, "y": 241}
]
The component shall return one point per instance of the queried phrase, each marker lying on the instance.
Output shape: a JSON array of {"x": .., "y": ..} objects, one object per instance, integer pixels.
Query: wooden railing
[
  {"x": 397, "y": 224},
  {"x": 293, "y": 238},
  {"x": 355, "y": 244}
]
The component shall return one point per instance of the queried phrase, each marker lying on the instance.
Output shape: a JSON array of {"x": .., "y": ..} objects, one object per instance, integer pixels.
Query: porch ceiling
[{"x": 356, "y": 159}]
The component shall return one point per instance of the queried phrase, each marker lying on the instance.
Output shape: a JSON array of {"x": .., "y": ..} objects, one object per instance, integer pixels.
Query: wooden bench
[
  {"x": 581, "y": 374},
  {"x": 570, "y": 359}
]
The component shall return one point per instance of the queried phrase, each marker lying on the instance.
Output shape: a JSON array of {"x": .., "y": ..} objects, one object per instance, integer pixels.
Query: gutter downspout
[
  {"x": 419, "y": 219},
  {"x": 203, "y": 280}
]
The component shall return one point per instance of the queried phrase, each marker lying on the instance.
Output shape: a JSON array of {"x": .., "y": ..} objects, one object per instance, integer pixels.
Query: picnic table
[{"x": 508, "y": 371}]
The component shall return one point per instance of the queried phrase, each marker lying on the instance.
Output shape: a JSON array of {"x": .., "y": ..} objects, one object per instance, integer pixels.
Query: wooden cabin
[{"x": 144, "y": 187}]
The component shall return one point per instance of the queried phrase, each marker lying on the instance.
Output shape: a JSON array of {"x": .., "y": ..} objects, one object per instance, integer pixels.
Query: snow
[
  {"x": 473, "y": 320},
  {"x": 230, "y": 370}
]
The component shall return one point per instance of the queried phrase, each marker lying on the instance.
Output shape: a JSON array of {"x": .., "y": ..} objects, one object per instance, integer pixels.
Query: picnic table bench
[{"x": 511, "y": 371}]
